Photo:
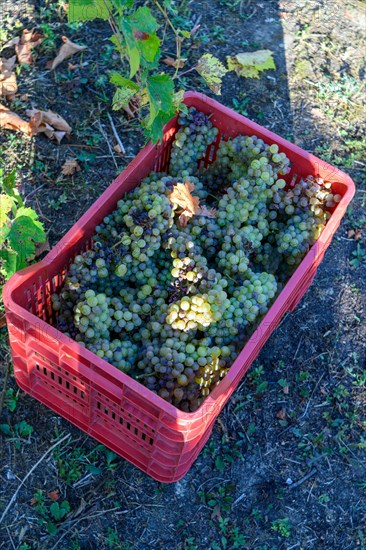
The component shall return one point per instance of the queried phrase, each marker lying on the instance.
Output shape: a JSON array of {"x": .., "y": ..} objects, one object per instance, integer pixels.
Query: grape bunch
[
  {"x": 196, "y": 133},
  {"x": 169, "y": 291}
]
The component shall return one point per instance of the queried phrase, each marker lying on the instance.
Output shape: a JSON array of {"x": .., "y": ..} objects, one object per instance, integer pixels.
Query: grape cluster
[
  {"x": 299, "y": 215},
  {"x": 172, "y": 303},
  {"x": 196, "y": 133}
]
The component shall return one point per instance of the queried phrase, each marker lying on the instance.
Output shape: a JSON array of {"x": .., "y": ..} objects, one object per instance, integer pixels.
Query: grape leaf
[
  {"x": 212, "y": 70},
  {"x": 160, "y": 89},
  {"x": 122, "y": 97},
  {"x": 143, "y": 20},
  {"x": 6, "y": 204},
  {"x": 149, "y": 46},
  {"x": 8, "y": 262},
  {"x": 135, "y": 59},
  {"x": 190, "y": 205},
  {"x": 119, "y": 80},
  {"x": 251, "y": 64},
  {"x": 87, "y": 10},
  {"x": 24, "y": 233},
  {"x": 155, "y": 126}
]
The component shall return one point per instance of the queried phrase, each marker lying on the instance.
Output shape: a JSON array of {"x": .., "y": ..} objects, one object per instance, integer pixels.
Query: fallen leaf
[
  {"x": 7, "y": 64},
  {"x": 8, "y": 79},
  {"x": 70, "y": 167},
  {"x": 28, "y": 41},
  {"x": 54, "y": 495},
  {"x": 12, "y": 121},
  {"x": 24, "y": 97},
  {"x": 2, "y": 320},
  {"x": 285, "y": 390},
  {"x": 13, "y": 42},
  {"x": 49, "y": 123},
  {"x": 354, "y": 234},
  {"x": 176, "y": 63},
  {"x": 212, "y": 70},
  {"x": 71, "y": 67},
  {"x": 67, "y": 50},
  {"x": 190, "y": 205},
  {"x": 251, "y": 64},
  {"x": 281, "y": 414},
  {"x": 118, "y": 149}
]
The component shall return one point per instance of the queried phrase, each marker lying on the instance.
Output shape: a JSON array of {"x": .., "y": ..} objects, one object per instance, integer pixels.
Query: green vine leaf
[
  {"x": 119, "y": 80},
  {"x": 155, "y": 128},
  {"x": 212, "y": 71},
  {"x": 87, "y": 10},
  {"x": 251, "y": 64},
  {"x": 25, "y": 231},
  {"x": 143, "y": 20},
  {"x": 160, "y": 89},
  {"x": 149, "y": 46},
  {"x": 8, "y": 262},
  {"x": 122, "y": 98}
]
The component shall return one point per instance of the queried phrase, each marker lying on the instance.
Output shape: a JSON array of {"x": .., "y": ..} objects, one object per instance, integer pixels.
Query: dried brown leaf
[
  {"x": 12, "y": 121},
  {"x": 2, "y": 320},
  {"x": 176, "y": 63},
  {"x": 13, "y": 42},
  {"x": 118, "y": 149},
  {"x": 8, "y": 79},
  {"x": 67, "y": 49},
  {"x": 54, "y": 495},
  {"x": 49, "y": 123},
  {"x": 281, "y": 414},
  {"x": 7, "y": 64},
  {"x": 190, "y": 205},
  {"x": 24, "y": 45},
  {"x": 8, "y": 83},
  {"x": 70, "y": 167},
  {"x": 207, "y": 212}
]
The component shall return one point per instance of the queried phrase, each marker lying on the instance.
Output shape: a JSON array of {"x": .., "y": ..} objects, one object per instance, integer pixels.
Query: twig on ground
[
  {"x": 33, "y": 192},
  {"x": 13, "y": 498},
  {"x": 123, "y": 150},
  {"x": 10, "y": 537},
  {"x": 107, "y": 141},
  {"x": 310, "y": 398},
  {"x": 303, "y": 479}
]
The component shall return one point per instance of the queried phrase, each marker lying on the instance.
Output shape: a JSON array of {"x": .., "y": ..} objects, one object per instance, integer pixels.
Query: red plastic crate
[{"x": 98, "y": 398}]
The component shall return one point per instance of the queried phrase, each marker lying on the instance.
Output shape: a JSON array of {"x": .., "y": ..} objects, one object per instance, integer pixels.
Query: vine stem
[
  {"x": 185, "y": 72},
  {"x": 178, "y": 39}
]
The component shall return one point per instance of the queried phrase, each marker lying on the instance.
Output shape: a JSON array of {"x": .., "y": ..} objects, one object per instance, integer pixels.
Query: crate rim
[{"x": 73, "y": 235}]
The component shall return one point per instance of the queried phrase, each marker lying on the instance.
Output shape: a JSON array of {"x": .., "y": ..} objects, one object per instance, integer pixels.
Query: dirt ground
[{"x": 285, "y": 466}]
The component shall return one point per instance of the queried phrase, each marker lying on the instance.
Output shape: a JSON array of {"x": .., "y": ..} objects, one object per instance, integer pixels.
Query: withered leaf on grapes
[{"x": 190, "y": 205}]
